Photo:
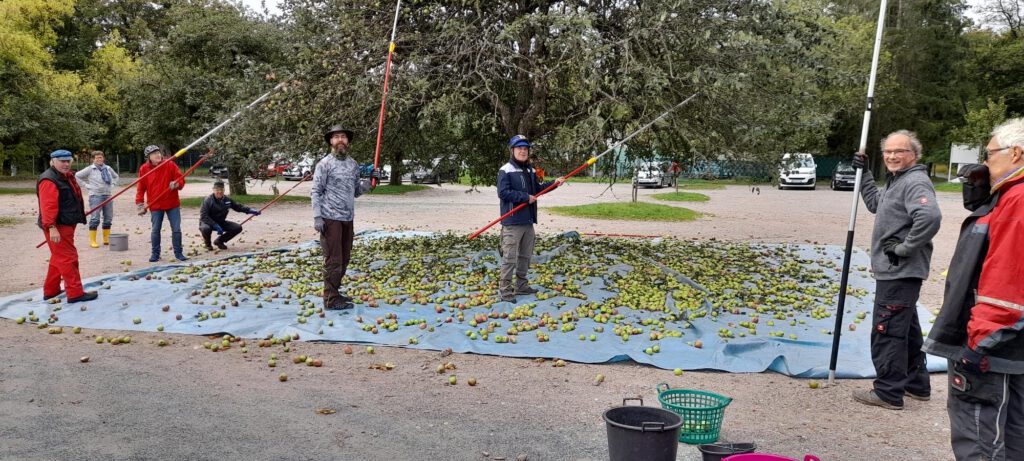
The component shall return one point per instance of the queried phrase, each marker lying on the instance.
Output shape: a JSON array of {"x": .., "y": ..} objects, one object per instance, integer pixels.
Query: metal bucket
[
  {"x": 118, "y": 242},
  {"x": 639, "y": 432}
]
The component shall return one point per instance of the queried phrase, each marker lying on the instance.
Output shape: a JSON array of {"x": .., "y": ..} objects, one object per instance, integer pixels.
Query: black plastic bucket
[
  {"x": 639, "y": 432},
  {"x": 720, "y": 451}
]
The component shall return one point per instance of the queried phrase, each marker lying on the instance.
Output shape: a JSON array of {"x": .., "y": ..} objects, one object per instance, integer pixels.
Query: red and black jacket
[{"x": 983, "y": 305}]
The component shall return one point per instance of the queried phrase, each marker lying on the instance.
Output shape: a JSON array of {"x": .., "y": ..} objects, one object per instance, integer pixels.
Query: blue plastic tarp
[{"x": 278, "y": 308}]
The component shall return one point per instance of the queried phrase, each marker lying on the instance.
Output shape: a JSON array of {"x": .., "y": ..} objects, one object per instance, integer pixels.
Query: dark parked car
[
  {"x": 843, "y": 176},
  {"x": 219, "y": 170}
]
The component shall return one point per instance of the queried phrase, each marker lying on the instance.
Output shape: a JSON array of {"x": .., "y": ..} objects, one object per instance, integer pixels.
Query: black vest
[{"x": 70, "y": 209}]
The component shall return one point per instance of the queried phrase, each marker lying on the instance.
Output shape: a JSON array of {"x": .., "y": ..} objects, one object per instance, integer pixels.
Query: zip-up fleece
[
  {"x": 515, "y": 186},
  {"x": 907, "y": 210}
]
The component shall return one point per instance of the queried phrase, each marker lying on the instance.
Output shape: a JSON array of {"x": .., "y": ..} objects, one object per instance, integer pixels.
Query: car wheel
[
  {"x": 780, "y": 186},
  {"x": 832, "y": 185}
]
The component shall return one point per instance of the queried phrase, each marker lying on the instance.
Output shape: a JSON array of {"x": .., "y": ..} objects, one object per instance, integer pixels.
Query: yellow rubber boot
[
  {"x": 92, "y": 239},
  {"x": 106, "y": 236}
]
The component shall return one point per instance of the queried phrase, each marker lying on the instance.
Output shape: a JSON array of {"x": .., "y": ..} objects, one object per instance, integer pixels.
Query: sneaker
[
  {"x": 220, "y": 245},
  {"x": 508, "y": 298},
  {"x": 47, "y": 297},
  {"x": 154, "y": 258},
  {"x": 345, "y": 299},
  {"x": 918, "y": 397},
  {"x": 208, "y": 247},
  {"x": 868, "y": 397},
  {"x": 340, "y": 306},
  {"x": 87, "y": 296},
  {"x": 525, "y": 290},
  {"x": 180, "y": 257}
]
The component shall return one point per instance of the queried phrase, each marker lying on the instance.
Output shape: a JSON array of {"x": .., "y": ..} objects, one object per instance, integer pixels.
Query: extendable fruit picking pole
[
  {"x": 845, "y": 277},
  {"x": 384, "y": 96},
  {"x": 589, "y": 162}
]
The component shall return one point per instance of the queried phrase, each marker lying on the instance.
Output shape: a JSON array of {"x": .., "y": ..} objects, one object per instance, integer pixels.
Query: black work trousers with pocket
[
  {"x": 896, "y": 341},
  {"x": 986, "y": 415}
]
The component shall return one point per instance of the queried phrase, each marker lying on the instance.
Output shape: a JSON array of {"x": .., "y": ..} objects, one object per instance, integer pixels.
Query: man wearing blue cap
[
  {"x": 60, "y": 210},
  {"x": 517, "y": 184}
]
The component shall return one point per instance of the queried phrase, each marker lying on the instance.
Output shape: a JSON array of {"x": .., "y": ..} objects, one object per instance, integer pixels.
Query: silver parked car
[{"x": 654, "y": 174}]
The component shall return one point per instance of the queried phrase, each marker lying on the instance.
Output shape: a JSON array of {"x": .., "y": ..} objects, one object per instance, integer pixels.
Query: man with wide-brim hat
[
  {"x": 336, "y": 184},
  {"x": 60, "y": 210}
]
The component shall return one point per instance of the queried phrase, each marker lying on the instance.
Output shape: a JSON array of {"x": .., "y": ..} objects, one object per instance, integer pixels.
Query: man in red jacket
[
  {"x": 161, "y": 189},
  {"x": 980, "y": 327},
  {"x": 60, "y": 210}
]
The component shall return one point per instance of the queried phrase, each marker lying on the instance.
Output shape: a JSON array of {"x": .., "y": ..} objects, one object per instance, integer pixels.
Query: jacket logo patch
[
  {"x": 924, "y": 200},
  {"x": 880, "y": 328}
]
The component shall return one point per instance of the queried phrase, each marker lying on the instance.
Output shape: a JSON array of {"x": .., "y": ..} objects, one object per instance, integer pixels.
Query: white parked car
[
  {"x": 297, "y": 170},
  {"x": 798, "y": 171},
  {"x": 654, "y": 174}
]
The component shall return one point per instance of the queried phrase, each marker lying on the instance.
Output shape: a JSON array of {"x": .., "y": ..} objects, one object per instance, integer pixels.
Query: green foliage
[
  {"x": 638, "y": 211},
  {"x": 979, "y": 123},
  {"x": 949, "y": 187}
]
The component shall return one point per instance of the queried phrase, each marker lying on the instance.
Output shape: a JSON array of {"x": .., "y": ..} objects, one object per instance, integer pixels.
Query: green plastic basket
[{"x": 702, "y": 412}]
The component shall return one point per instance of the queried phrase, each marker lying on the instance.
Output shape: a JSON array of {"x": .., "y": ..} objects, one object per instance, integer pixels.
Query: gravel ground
[{"x": 139, "y": 401}]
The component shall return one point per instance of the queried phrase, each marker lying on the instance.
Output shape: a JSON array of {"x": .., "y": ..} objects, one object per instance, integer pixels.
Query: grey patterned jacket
[{"x": 336, "y": 184}]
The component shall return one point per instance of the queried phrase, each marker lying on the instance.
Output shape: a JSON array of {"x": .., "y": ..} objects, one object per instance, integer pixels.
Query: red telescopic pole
[
  {"x": 304, "y": 179},
  {"x": 580, "y": 168},
  {"x": 384, "y": 96}
]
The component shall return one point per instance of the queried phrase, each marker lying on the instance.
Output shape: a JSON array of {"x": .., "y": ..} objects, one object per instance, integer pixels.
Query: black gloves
[
  {"x": 860, "y": 161},
  {"x": 973, "y": 361},
  {"x": 889, "y": 248}
]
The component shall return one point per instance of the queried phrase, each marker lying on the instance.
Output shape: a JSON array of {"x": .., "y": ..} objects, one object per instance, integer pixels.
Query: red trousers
[{"x": 63, "y": 264}]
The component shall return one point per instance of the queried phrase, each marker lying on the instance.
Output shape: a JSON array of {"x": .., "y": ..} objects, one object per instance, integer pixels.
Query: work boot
[
  {"x": 507, "y": 297},
  {"x": 47, "y": 297},
  {"x": 340, "y": 306},
  {"x": 206, "y": 243},
  {"x": 524, "y": 288},
  {"x": 220, "y": 244},
  {"x": 918, "y": 397},
  {"x": 106, "y": 236},
  {"x": 87, "y": 296},
  {"x": 869, "y": 397},
  {"x": 344, "y": 298},
  {"x": 92, "y": 238}
]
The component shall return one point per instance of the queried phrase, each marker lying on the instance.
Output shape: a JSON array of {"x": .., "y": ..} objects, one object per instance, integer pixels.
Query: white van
[{"x": 798, "y": 171}]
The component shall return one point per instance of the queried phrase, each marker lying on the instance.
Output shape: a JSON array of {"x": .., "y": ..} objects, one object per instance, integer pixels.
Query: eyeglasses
[
  {"x": 896, "y": 151},
  {"x": 990, "y": 152}
]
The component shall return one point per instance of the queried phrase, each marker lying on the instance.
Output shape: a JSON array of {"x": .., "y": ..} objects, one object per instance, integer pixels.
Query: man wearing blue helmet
[{"x": 517, "y": 184}]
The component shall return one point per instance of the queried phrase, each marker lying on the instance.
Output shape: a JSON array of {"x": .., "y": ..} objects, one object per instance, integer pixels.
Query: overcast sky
[{"x": 272, "y": 6}]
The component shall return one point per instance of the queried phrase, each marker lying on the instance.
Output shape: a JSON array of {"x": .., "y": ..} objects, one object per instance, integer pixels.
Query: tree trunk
[
  {"x": 236, "y": 179},
  {"x": 396, "y": 168}
]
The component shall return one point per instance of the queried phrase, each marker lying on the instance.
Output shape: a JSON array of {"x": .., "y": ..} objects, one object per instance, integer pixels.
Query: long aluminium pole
[
  {"x": 384, "y": 95},
  {"x": 845, "y": 277},
  {"x": 590, "y": 161}
]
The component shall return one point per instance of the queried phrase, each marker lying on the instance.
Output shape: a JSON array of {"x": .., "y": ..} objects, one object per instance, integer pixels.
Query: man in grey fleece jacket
[
  {"x": 906, "y": 218},
  {"x": 336, "y": 185}
]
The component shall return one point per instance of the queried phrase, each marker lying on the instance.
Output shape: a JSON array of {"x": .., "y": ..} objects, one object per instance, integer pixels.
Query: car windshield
[
  {"x": 844, "y": 168},
  {"x": 799, "y": 162}
]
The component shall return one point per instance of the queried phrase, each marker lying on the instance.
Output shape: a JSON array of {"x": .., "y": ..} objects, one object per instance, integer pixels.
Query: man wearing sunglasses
[
  {"x": 906, "y": 218},
  {"x": 979, "y": 326}
]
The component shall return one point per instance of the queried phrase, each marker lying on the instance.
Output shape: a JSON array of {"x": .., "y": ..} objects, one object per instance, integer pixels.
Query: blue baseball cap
[
  {"x": 61, "y": 154},
  {"x": 518, "y": 141}
]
